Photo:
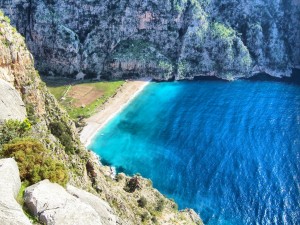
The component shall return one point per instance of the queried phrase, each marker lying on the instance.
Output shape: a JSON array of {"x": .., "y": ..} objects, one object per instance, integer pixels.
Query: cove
[{"x": 229, "y": 150}]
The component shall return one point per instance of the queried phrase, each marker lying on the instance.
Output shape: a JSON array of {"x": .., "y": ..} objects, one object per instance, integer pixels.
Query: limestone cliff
[
  {"x": 160, "y": 38},
  {"x": 21, "y": 86}
]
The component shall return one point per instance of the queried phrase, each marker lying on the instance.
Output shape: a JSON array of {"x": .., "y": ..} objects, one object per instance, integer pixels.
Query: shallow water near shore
[{"x": 229, "y": 150}]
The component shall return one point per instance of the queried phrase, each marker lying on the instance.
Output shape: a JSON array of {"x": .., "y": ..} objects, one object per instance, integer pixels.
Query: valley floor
[{"x": 81, "y": 99}]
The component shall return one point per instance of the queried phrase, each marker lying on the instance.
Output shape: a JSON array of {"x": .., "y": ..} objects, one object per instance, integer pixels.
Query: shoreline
[{"x": 115, "y": 104}]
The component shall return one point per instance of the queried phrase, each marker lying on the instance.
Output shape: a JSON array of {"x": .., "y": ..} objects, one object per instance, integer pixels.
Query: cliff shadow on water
[{"x": 293, "y": 79}]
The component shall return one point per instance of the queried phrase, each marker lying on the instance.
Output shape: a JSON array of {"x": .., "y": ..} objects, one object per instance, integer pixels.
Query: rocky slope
[
  {"x": 20, "y": 79},
  {"x": 160, "y": 38}
]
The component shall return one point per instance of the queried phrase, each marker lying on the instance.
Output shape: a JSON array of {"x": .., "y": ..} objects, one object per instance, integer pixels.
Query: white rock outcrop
[
  {"x": 11, "y": 104},
  {"x": 102, "y": 208},
  {"x": 52, "y": 204},
  {"x": 11, "y": 212}
]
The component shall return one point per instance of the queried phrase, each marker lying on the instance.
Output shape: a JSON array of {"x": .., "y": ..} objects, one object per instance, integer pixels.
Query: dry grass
[{"x": 84, "y": 95}]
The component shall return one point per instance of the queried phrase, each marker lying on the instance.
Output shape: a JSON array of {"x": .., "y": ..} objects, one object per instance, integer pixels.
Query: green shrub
[
  {"x": 6, "y": 19},
  {"x": 175, "y": 206},
  {"x": 3, "y": 17},
  {"x": 154, "y": 220},
  {"x": 119, "y": 177},
  {"x": 144, "y": 216},
  {"x": 63, "y": 133},
  {"x": 221, "y": 31},
  {"x": 160, "y": 205},
  {"x": 34, "y": 161},
  {"x": 12, "y": 129},
  {"x": 142, "y": 202},
  {"x": 31, "y": 114}
]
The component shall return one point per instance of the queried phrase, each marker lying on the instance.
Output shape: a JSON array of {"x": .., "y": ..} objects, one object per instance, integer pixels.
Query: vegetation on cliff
[
  {"x": 12, "y": 129},
  {"x": 164, "y": 39},
  {"x": 35, "y": 162},
  {"x": 17, "y": 68},
  {"x": 43, "y": 152}
]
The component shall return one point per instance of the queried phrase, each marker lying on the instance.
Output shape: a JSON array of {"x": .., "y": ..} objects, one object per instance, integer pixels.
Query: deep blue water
[{"x": 229, "y": 150}]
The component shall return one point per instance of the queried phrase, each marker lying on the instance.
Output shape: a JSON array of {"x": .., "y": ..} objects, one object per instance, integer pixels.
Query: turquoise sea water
[{"x": 229, "y": 150}]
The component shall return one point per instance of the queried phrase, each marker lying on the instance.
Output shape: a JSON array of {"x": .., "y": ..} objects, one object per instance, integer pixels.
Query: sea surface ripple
[{"x": 229, "y": 150}]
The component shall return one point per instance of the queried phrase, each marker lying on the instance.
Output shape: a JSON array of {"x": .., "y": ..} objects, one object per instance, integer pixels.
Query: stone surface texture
[
  {"x": 101, "y": 207},
  {"x": 11, "y": 104},
  {"x": 11, "y": 212},
  {"x": 52, "y": 204}
]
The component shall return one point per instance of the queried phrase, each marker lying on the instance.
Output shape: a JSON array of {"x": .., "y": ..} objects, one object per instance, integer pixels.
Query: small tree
[
  {"x": 153, "y": 219},
  {"x": 160, "y": 205},
  {"x": 142, "y": 202},
  {"x": 12, "y": 129},
  {"x": 144, "y": 216},
  {"x": 63, "y": 133},
  {"x": 34, "y": 161}
]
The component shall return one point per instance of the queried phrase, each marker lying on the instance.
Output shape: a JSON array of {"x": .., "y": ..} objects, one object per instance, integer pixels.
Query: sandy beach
[{"x": 129, "y": 90}]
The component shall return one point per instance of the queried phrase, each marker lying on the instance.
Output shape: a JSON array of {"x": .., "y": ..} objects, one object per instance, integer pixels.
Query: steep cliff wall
[
  {"x": 160, "y": 38},
  {"x": 23, "y": 94},
  {"x": 30, "y": 93},
  {"x": 269, "y": 28}
]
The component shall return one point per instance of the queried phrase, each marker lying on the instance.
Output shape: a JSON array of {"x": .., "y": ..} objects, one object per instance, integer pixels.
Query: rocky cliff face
[
  {"x": 27, "y": 96},
  {"x": 23, "y": 94},
  {"x": 160, "y": 38}
]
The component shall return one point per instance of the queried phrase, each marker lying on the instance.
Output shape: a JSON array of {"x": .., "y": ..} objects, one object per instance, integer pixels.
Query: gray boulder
[
  {"x": 52, "y": 204},
  {"x": 102, "y": 208},
  {"x": 11, "y": 104},
  {"x": 11, "y": 212}
]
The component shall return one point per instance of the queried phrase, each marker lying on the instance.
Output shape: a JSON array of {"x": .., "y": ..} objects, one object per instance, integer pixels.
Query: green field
[{"x": 81, "y": 98}]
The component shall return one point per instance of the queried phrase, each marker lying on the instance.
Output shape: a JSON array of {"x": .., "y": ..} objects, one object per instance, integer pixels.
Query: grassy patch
[
  {"x": 20, "y": 197},
  {"x": 58, "y": 86},
  {"x": 58, "y": 92},
  {"x": 20, "y": 200},
  {"x": 82, "y": 98}
]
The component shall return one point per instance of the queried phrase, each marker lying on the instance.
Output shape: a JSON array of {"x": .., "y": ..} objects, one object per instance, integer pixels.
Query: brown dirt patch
[{"x": 84, "y": 95}]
